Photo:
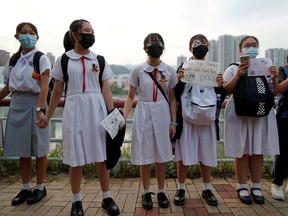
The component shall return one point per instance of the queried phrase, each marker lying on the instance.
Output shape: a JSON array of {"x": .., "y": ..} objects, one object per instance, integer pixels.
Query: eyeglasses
[{"x": 250, "y": 45}]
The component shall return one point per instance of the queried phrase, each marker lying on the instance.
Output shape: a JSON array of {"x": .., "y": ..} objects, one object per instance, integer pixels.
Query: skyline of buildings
[{"x": 224, "y": 50}]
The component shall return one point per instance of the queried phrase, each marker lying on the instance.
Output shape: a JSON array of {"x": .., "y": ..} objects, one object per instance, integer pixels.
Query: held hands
[{"x": 42, "y": 121}]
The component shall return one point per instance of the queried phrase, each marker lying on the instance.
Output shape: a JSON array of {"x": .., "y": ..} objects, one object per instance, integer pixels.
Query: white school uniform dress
[
  {"x": 84, "y": 139},
  {"x": 248, "y": 135},
  {"x": 197, "y": 142},
  {"x": 150, "y": 140},
  {"x": 22, "y": 137}
]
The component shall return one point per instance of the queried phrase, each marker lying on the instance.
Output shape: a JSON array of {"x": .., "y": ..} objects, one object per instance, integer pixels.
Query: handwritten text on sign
[
  {"x": 259, "y": 67},
  {"x": 200, "y": 72}
]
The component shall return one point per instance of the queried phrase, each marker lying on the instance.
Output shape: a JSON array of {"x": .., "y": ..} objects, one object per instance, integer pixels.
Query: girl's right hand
[
  {"x": 180, "y": 73},
  {"x": 242, "y": 69}
]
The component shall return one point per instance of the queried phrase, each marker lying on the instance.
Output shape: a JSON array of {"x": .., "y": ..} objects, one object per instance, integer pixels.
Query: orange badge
[{"x": 36, "y": 76}]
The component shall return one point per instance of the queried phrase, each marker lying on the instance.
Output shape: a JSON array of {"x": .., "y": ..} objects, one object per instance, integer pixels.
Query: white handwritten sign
[
  {"x": 200, "y": 72},
  {"x": 259, "y": 67},
  {"x": 112, "y": 121}
]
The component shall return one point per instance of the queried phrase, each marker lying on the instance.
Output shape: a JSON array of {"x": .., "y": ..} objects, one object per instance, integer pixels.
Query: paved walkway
[{"x": 127, "y": 194}]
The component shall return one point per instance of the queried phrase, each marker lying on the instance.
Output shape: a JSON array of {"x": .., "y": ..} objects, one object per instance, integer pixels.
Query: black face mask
[
  {"x": 200, "y": 51},
  {"x": 87, "y": 40},
  {"x": 155, "y": 50}
]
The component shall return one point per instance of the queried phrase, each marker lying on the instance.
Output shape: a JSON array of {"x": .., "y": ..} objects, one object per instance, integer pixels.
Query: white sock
[
  {"x": 106, "y": 194},
  {"x": 206, "y": 186},
  {"x": 161, "y": 191},
  {"x": 146, "y": 191},
  {"x": 256, "y": 192},
  {"x": 243, "y": 192},
  {"x": 76, "y": 197},
  {"x": 39, "y": 186},
  {"x": 181, "y": 186},
  {"x": 26, "y": 186}
]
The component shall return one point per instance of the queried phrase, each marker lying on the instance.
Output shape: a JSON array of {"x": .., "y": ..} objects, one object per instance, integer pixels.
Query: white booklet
[
  {"x": 112, "y": 122},
  {"x": 259, "y": 67}
]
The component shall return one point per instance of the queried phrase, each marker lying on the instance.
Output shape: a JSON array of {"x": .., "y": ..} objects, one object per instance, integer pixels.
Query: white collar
[{"x": 146, "y": 67}]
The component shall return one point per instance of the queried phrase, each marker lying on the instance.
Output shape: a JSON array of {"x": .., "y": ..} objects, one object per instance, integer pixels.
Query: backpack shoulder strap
[
  {"x": 64, "y": 65},
  {"x": 286, "y": 71},
  {"x": 236, "y": 64},
  {"x": 101, "y": 61},
  {"x": 36, "y": 60}
]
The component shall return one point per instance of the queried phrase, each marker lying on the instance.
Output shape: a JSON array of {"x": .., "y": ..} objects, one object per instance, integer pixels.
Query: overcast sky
[{"x": 121, "y": 25}]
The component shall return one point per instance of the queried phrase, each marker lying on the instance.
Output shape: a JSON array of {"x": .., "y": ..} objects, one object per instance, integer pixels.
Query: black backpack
[
  {"x": 64, "y": 65},
  {"x": 252, "y": 96},
  {"x": 36, "y": 60}
]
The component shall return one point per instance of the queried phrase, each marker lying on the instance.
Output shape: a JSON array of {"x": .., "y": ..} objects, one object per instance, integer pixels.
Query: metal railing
[{"x": 118, "y": 103}]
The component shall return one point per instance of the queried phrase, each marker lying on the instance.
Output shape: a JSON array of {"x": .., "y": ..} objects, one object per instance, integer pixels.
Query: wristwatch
[{"x": 39, "y": 109}]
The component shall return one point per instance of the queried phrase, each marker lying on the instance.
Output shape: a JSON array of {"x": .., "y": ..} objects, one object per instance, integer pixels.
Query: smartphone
[{"x": 244, "y": 58}]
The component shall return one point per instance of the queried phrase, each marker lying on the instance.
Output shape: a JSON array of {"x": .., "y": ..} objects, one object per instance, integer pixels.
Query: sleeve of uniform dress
[
  {"x": 57, "y": 72},
  {"x": 44, "y": 63},
  {"x": 6, "y": 71},
  {"x": 107, "y": 73},
  {"x": 230, "y": 72},
  {"x": 173, "y": 78},
  {"x": 134, "y": 77}
]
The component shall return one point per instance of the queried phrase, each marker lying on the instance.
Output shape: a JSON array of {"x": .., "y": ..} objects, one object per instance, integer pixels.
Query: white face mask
[
  {"x": 252, "y": 52},
  {"x": 27, "y": 40}
]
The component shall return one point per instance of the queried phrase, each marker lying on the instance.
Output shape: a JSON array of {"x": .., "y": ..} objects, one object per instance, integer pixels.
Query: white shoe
[{"x": 277, "y": 192}]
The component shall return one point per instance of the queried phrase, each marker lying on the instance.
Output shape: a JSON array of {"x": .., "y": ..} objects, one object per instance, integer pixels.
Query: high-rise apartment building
[
  {"x": 213, "y": 49},
  {"x": 278, "y": 56},
  {"x": 181, "y": 59},
  {"x": 51, "y": 57}
]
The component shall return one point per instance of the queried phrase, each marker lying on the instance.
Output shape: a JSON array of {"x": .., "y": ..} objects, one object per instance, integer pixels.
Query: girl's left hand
[
  {"x": 274, "y": 72},
  {"x": 219, "y": 80},
  {"x": 172, "y": 131}
]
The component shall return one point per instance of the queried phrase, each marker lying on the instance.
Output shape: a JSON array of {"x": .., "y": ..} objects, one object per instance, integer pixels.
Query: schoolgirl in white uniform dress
[
  {"x": 248, "y": 135},
  {"x": 150, "y": 140},
  {"x": 23, "y": 138},
  {"x": 197, "y": 143},
  {"x": 84, "y": 139}
]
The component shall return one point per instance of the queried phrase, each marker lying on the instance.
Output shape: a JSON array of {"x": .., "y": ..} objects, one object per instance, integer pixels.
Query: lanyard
[
  {"x": 155, "y": 88},
  {"x": 84, "y": 74}
]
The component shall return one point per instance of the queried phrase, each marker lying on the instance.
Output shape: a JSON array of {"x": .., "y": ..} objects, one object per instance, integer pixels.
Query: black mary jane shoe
[
  {"x": 244, "y": 199},
  {"x": 36, "y": 196},
  {"x": 110, "y": 206},
  {"x": 162, "y": 200},
  {"x": 21, "y": 197},
  {"x": 179, "y": 197},
  {"x": 209, "y": 197},
  {"x": 147, "y": 200},
  {"x": 257, "y": 199},
  {"x": 77, "y": 209}
]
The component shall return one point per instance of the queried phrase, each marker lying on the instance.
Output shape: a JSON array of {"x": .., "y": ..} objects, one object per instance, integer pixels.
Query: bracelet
[{"x": 174, "y": 123}]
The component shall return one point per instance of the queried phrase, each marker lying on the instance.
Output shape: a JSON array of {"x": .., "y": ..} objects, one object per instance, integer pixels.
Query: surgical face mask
[
  {"x": 252, "y": 52},
  {"x": 200, "y": 51},
  {"x": 27, "y": 40},
  {"x": 155, "y": 50},
  {"x": 87, "y": 40}
]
